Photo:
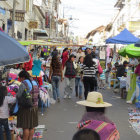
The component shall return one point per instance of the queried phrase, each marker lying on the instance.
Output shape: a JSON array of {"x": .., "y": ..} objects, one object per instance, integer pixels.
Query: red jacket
[
  {"x": 64, "y": 58},
  {"x": 28, "y": 65}
]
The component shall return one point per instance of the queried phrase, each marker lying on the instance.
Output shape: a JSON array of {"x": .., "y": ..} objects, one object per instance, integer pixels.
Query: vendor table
[{"x": 122, "y": 82}]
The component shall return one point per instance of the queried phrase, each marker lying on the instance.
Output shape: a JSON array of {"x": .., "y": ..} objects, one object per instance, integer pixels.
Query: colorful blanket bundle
[{"x": 107, "y": 131}]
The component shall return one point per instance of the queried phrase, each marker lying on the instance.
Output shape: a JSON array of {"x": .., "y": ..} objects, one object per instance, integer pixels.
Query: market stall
[
  {"x": 17, "y": 54},
  {"x": 132, "y": 51}
]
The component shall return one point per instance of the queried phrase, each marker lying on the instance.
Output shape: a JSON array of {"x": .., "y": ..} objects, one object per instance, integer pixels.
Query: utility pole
[{"x": 13, "y": 18}]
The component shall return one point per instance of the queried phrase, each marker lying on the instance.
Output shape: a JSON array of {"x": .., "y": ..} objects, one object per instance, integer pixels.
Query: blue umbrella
[
  {"x": 11, "y": 52},
  {"x": 137, "y": 44}
]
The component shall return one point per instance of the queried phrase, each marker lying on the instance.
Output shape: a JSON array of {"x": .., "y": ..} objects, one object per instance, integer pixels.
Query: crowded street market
[{"x": 57, "y": 85}]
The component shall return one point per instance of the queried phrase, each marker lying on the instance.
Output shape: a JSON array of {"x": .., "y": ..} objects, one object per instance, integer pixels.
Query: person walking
[
  {"x": 78, "y": 81},
  {"x": 4, "y": 112},
  {"x": 55, "y": 75},
  {"x": 70, "y": 74},
  {"x": 89, "y": 71},
  {"x": 27, "y": 117},
  {"x": 65, "y": 56}
]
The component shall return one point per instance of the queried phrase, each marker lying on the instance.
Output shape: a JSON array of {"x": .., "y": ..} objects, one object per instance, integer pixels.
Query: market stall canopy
[
  {"x": 125, "y": 37},
  {"x": 137, "y": 44},
  {"x": 130, "y": 51},
  {"x": 11, "y": 52},
  {"x": 45, "y": 43},
  {"x": 33, "y": 42}
]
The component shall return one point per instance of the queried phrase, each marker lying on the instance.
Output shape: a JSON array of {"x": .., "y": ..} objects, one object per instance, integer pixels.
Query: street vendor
[{"x": 122, "y": 71}]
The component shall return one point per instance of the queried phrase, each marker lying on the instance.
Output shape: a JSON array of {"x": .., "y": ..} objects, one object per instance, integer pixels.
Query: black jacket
[
  {"x": 120, "y": 71},
  {"x": 70, "y": 70}
]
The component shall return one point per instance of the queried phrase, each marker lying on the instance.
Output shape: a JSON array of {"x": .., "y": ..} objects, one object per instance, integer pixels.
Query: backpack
[{"x": 26, "y": 100}]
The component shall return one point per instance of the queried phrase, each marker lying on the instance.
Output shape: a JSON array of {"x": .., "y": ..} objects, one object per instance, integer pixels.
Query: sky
[{"x": 88, "y": 14}]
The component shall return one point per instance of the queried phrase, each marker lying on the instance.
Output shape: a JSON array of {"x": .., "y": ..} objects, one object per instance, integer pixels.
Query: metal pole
[{"x": 13, "y": 18}]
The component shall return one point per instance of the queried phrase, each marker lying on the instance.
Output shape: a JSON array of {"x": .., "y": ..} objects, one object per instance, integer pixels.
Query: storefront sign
[
  {"x": 47, "y": 20},
  {"x": 33, "y": 24},
  {"x": 19, "y": 15}
]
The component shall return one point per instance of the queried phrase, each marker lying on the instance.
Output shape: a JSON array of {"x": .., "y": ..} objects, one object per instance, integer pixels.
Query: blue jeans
[
  {"x": 78, "y": 84},
  {"x": 4, "y": 123},
  {"x": 55, "y": 86}
]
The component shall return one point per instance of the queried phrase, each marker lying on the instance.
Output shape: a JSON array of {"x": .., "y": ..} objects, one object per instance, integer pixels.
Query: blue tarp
[{"x": 125, "y": 37}]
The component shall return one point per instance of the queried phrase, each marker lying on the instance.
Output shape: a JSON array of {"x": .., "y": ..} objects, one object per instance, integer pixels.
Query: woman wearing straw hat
[{"x": 95, "y": 117}]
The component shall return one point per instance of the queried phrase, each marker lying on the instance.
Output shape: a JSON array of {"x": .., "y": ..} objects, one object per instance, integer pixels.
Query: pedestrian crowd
[{"x": 78, "y": 69}]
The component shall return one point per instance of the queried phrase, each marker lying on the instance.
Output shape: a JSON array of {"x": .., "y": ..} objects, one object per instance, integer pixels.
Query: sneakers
[
  {"x": 65, "y": 96},
  {"x": 69, "y": 97},
  {"x": 58, "y": 100},
  {"x": 80, "y": 97},
  {"x": 129, "y": 102}
]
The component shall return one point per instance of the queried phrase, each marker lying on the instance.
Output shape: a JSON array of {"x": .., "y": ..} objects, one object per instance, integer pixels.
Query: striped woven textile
[{"x": 107, "y": 131}]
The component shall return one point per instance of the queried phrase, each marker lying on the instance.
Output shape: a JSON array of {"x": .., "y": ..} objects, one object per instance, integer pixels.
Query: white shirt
[
  {"x": 4, "y": 110},
  {"x": 79, "y": 55}
]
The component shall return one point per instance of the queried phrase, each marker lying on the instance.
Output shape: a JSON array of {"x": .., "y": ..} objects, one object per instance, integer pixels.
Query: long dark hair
[
  {"x": 96, "y": 109},
  {"x": 55, "y": 62},
  {"x": 26, "y": 75},
  {"x": 88, "y": 61},
  {"x": 65, "y": 50},
  {"x": 3, "y": 93}
]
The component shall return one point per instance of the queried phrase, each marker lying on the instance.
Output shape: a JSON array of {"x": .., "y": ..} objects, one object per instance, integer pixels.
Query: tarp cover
[
  {"x": 11, "y": 52},
  {"x": 125, "y": 37},
  {"x": 130, "y": 51}
]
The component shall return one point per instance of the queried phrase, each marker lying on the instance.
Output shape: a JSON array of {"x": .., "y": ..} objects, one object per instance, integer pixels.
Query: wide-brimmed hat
[{"x": 94, "y": 99}]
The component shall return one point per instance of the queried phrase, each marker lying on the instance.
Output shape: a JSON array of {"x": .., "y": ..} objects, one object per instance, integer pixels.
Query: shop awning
[{"x": 40, "y": 32}]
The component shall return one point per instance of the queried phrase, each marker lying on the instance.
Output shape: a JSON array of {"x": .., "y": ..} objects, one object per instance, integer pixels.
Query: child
[
  {"x": 102, "y": 80},
  {"x": 4, "y": 112}
]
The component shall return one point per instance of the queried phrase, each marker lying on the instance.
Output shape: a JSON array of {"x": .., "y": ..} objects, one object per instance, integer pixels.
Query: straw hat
[{"x": 94, "y": 99}]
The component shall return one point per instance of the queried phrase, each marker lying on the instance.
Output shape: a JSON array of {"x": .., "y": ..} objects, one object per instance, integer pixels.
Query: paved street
[{"x": 61, "y": 119}]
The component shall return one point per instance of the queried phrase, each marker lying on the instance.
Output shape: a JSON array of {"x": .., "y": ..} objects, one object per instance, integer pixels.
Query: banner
[{"x": 47, "y": 20}]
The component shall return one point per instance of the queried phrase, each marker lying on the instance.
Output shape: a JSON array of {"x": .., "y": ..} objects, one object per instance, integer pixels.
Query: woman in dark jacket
[
  {"x": 27, "y": 118},
  {"x": 70, "y": 74}
]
